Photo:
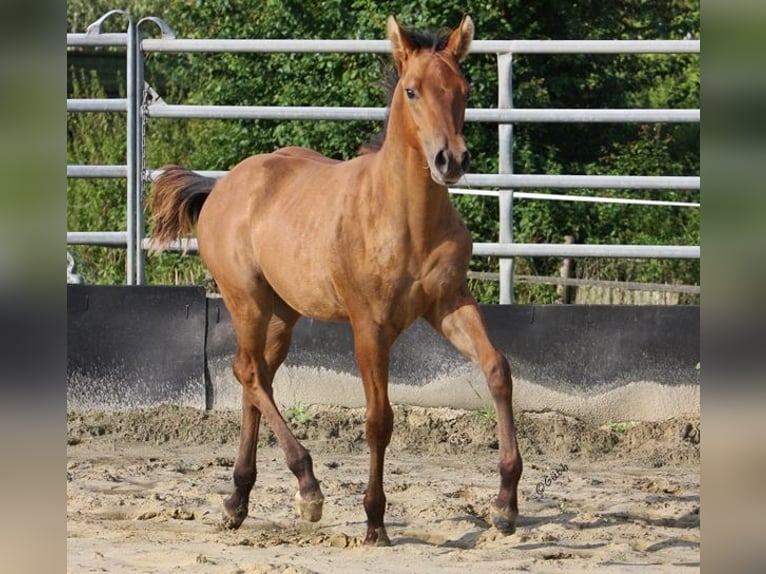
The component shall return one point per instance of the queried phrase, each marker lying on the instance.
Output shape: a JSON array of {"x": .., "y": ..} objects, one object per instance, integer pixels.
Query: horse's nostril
[
  {"x": 466, "y": 161},
  {"x": 441, "y": 160}
]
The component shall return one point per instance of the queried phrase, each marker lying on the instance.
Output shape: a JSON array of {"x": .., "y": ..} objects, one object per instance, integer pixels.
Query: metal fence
[{"x": 140, "y": 107}]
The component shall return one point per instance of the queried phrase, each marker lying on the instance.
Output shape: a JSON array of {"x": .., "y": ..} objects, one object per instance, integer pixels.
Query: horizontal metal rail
[
  {"x": 514, "y": 115},
  {"x": 586, "y": 46},
  {"x": 234, "y": 45},
  {"x": 97, "y": 105},
  {"x": 153, "y": 174},
  {"x": 536, "y": 250},
  {"x": 508, "y": 181},
  {"x": 108, "y": 39},
  {"x": 97, "y": 171},
  {"x": 186, "y": 245},
  {"x": 580, "y": 250},
  {"x": 102, "y": 238},
  {"x": 511, "y": 180},
  {"x": 120, "y": 171},
  {"x": 265, "y": 112},
  {"x": 576, "y": 115}
]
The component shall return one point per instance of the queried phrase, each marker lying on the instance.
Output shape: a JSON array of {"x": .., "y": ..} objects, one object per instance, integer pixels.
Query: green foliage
[
  {"x": 566, "y": 81},
  {"x": 620, "y": 427},
  {"x": 297, "y": 414},
  {"x": 96, "y": 204},
  {"x": 487, "y": 413}
]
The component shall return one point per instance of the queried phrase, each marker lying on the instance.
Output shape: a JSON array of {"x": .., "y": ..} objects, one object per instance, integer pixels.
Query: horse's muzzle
[{"x": 449, "y": 167}]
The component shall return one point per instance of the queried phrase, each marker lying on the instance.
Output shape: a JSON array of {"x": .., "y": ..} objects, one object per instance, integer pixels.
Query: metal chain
[{"x": 147, "y": 97}]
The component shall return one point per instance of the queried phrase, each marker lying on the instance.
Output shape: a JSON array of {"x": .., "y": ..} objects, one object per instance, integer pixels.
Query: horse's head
[{"x": 431, "y": 94}]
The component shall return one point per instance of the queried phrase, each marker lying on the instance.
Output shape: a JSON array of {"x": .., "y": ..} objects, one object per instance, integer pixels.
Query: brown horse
[{"x": 373, "y": 241}]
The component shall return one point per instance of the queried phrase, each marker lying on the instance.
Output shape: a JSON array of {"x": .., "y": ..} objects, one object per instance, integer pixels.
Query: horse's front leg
[
  {"x": 460, "y": 321},
  {"x": 372, "y": 346}
]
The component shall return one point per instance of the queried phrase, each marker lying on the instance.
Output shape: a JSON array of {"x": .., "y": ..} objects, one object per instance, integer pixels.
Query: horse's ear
[
  {"x": 460, "y": 38},
  {"x": 401, "y": 44}
]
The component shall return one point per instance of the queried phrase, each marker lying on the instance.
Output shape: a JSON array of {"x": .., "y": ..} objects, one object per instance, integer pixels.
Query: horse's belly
[
  {"x": 306, "y": 289},
  {"x": 315, "y": 303}
]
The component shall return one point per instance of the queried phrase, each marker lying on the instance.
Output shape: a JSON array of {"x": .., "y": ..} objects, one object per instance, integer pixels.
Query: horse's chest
[
  {"x": 405, "y": 284},
  {"x": 399, "y": 273}
]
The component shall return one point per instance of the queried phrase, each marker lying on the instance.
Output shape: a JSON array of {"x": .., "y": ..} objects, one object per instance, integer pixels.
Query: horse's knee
[
  {"x": 243, "y": 368},
  {"x": 498, "y": 373},
  {"x": 380, "y": 424},
  {"x": 251, "y": 371}
]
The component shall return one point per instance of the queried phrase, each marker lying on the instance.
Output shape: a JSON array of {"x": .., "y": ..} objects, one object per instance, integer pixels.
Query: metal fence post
[
  {"x": 137, "y": 168},
  {"x": 142, "y": 102},
  {"x": 505, "y": 152},
  {"x": 132, "y": 175},
  {"x": 130, "y": 160}
]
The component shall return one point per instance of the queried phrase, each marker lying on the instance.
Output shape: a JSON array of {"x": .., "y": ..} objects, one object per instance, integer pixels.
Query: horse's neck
[{"x": 412, "y": 197}]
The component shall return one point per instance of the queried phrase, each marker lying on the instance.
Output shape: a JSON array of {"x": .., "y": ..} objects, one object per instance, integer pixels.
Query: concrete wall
[{"x": 135, "y": 346}]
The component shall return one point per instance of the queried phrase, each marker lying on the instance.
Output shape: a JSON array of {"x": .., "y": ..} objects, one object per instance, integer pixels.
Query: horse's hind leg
[
  {"x": 461, "y": 322},
  {"x": 249, "y": 336},
  {"x": 263, "y": 341},
  {"x": 236, "y": 506}
]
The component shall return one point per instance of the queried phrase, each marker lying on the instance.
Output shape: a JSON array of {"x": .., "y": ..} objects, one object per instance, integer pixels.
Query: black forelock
[{"x": 435, "y": 40}]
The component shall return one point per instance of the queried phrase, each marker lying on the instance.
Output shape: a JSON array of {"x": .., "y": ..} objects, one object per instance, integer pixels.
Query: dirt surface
[{"x": 144, "y": 493}]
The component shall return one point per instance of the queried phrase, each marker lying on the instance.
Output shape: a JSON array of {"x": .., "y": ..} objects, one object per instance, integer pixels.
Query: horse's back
[
  {"x": 305, "y": 153},
  {"x": 274, "y": 217}
]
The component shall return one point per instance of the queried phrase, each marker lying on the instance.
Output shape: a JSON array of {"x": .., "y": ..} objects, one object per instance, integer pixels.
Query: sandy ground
[{"x": 144, "y": 493}]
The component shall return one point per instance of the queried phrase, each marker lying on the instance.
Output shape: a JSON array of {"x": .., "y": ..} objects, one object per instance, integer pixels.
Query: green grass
[
  {"x": 297, "y": 413},
  {"x": 619, "y": 427},
  {"x": 488, "y": 413}
]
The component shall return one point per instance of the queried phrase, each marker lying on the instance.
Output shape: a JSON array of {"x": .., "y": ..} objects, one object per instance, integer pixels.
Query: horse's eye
[{"x": 410, "y": 93}]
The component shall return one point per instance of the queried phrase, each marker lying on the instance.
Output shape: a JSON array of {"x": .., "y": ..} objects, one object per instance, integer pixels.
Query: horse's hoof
[
  {"x": 232, "y": 522},
  {"x": 504, "y": 520},
  {"x": 232, "y": 518},
  {"x": 310, "y": 508},
  {"x": 378, "y": 537}
]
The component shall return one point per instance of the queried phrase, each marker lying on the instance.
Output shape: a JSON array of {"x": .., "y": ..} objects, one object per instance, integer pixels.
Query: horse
[{"x": 373, "y": 241}]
